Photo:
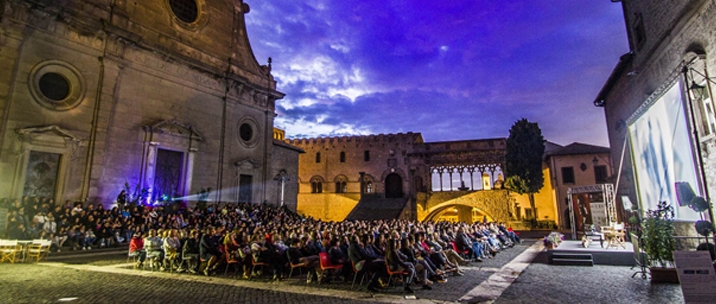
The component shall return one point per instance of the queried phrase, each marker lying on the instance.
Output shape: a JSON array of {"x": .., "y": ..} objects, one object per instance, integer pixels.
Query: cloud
[{"x": 448, "y": 69}]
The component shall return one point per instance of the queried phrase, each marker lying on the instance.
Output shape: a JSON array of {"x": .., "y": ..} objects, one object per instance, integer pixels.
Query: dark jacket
[{"x": 357, "y": 253}]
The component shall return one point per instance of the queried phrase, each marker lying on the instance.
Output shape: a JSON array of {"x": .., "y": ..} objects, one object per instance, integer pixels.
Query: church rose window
[
  {"x": 185, "y": 10},
  {"x": 54, "y": 86},
  {"x": 246, "y": 132}
]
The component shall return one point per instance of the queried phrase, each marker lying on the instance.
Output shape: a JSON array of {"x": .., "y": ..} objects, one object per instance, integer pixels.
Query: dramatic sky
[{"x": 451, "y": 70}]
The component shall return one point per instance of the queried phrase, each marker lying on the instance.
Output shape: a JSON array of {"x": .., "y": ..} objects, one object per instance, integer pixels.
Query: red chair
[
  {"x": 463, "y": 253},
  {"x": 391, "y": 273},
  {"x": 362, "y": 272},
  {"x": 326, "y": 265},
  {"x": 254, "y": 264},
  {"x": 230, "y": 261}
]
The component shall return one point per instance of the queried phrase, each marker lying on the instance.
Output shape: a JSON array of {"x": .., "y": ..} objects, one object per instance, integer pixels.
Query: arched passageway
[{"x": 459, "y": 213}]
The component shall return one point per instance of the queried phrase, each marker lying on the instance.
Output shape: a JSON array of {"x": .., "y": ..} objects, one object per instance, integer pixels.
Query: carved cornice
[
  {"x": 246, "y": 164},
  {"x": 175, "y": 128}
]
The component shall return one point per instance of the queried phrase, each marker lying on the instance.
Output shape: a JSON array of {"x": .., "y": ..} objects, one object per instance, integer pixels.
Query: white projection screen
[{"x": 663, "y": 154}]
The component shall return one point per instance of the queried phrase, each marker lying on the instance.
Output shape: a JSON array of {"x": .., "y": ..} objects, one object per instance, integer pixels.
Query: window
[
  {"x": 316, "y": 187},
  {"x": 366, "y": 155},
  {"x": 567, "y": 175},
  {"x": 343, "y": 157},
  {"x": 600, "y": 174},
  {"x": 185, "y": 10},
  {"x": 369, "y": 187},
  {"x": 54, "y": 86},
  {"x": 341, "y": 187},
  {"x": 318, "y": 157},
  {"x": 246, "y": 133}
]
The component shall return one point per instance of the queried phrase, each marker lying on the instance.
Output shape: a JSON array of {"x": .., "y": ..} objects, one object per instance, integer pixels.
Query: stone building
[
  {"x": 572, "y": 166},
  {"x": 658, "y": 104},
  {"x": 400, "y": 175},
  {"x": 162, "y": 94}
]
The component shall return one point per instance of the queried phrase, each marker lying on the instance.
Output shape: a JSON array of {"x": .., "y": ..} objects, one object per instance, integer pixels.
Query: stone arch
[
  {"x": 393, "y": 170},
  {"x": 439, "y": 211},
  {"x": 495, "y": 204},
  {"x": 340, "y": 178}
]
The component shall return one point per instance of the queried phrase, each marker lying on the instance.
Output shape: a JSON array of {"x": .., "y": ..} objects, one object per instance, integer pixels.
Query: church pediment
[
  {"x": 51, "y": 133},
  {"x": 246, "y": 164},
  {"x": 176, "y": 128}
]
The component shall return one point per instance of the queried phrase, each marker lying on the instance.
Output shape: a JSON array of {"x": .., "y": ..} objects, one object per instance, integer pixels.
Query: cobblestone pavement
[
  {"x": 544, "y": 283},
  {"x": 38, "y": 283},
  {"x": 103, "y": 277}
]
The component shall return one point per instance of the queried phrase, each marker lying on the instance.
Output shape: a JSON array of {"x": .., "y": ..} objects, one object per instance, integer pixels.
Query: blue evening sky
[{"x": 451, "y": 69}]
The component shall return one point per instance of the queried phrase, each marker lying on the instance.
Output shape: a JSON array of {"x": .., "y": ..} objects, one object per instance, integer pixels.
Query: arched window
[
  {"x": 341, "y": 182},
  {"x": 316, "y": 185},
  {"x": 341, "y": 187},
  {"x": 318, "y": 157},
  {"x": 343, "y": 157}
]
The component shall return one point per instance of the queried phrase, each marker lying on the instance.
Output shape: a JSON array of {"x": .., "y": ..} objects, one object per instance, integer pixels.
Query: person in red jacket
[{"x": 136, "y": 248}]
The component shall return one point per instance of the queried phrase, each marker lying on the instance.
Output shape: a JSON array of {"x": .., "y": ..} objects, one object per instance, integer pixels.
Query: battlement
[{"x": 404, "y": 138}]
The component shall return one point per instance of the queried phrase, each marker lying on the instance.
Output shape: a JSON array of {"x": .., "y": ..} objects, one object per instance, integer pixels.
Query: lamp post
[{"x": 282, "y": 178}]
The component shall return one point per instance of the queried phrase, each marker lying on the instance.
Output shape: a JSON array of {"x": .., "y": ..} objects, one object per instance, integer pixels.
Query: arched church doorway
[{"x": 393, "y": 186}]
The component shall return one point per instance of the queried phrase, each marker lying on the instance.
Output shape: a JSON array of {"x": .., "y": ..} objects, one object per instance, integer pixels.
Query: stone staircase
[
  {"x": 571, "y": 259},
  {"x": 373, "y": 207}
]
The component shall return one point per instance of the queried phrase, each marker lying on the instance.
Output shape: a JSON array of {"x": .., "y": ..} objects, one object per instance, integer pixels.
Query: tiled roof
[{"x": 578, "y": 148}]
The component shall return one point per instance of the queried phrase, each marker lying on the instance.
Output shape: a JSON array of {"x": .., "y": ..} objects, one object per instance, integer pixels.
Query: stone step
[
  {"x": 574, "y": 256},
  {"x": 572, "y": 262},
  {"x": 373, "y": 208}
]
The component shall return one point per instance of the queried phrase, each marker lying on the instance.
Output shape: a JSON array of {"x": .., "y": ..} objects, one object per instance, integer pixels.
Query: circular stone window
[
  {"x": 188, "y": 14},
  {"x": 246, "y": 132},
  {"x": 248, "y": 135},
  {"x": 56, "y": 85},
  {"x": 185, "y": 10}
]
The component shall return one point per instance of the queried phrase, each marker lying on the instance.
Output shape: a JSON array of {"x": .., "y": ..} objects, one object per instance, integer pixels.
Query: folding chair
[
  {"x": 9, "y": 250},
  {"x": 38, "y": 249}
]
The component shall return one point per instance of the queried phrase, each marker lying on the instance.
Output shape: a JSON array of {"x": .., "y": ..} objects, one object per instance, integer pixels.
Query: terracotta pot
[{"x": 664, "y": 275}]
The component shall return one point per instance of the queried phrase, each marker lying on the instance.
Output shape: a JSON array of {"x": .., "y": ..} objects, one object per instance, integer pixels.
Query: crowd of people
[{"x": 206, "y": 240}]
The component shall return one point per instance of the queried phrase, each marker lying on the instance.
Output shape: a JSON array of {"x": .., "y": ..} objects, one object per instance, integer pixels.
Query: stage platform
[{"x": 573, "y": 253}]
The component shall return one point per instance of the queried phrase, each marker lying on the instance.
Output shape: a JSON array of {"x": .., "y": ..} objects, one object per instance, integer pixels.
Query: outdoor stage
[{"x": 572, "y": 253}]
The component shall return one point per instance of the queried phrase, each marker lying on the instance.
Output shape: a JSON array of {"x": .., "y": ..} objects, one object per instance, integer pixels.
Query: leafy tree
[{"x": 523, "y": 161}]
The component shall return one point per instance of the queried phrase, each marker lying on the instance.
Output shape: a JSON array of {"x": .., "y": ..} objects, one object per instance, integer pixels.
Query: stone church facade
[{"x": 162, "y": 94}]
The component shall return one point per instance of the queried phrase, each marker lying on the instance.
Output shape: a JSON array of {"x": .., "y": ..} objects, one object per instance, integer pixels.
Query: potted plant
[
  {"x": 659, "y": 244},
  {"x": 552, "y": 240}
]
